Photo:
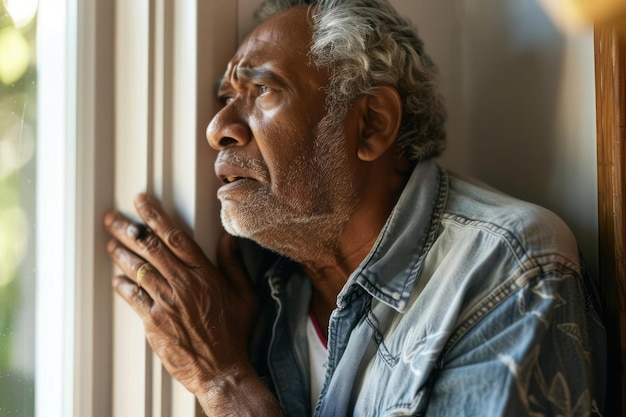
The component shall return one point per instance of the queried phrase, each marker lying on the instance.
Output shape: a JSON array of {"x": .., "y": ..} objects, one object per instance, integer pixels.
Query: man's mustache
[{"x": 233, "y": 158}]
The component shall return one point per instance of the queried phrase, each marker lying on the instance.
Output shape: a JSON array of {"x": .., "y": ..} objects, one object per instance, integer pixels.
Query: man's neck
[{"x": 358, "y": 238}]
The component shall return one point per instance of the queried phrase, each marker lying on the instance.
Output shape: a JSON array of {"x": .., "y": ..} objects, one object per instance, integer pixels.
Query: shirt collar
[{"x": 389, "y": 271}]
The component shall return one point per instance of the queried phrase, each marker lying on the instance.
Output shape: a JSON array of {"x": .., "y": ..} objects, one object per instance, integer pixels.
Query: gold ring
[{"x": 142, "y": 271}]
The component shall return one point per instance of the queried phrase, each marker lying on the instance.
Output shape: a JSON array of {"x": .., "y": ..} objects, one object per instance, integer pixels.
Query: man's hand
[{"x": 197, "y": 317}]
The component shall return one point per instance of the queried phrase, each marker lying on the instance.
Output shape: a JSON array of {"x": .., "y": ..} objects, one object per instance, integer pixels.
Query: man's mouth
[
  {"x": 236, "y": 171},
  {"x": 231, "y": 178}
]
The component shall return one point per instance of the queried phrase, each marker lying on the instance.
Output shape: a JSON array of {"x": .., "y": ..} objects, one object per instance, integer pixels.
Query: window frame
[
  {"x": 610, "y": 65},
  {"x": 74, "y": 189},
  {"x": 126, "y": 92}
]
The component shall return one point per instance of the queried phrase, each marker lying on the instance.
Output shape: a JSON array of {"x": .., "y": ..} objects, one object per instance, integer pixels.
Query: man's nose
[{"x": 227, "y": 129}]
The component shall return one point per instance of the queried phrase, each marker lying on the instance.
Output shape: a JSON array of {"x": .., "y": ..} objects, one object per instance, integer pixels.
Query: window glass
[{"x": 17, "y": 205}]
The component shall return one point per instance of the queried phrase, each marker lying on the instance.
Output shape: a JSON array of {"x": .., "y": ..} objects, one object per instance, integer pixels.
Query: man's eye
[
  {"x": 263, "y": 88},
  {"x": 225, "y": 100}
]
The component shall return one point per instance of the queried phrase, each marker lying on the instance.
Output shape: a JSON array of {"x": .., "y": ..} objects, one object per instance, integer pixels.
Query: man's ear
[{"x": 381, "y": 117}]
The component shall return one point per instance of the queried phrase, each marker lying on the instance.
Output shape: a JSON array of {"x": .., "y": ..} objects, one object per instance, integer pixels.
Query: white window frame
[
  {"x": 74, "y": 188},
  {"x": 125, "y": 91}
]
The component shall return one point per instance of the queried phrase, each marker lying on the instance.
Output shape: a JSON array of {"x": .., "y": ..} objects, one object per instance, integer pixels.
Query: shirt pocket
[{"x": 396, "y": 381}]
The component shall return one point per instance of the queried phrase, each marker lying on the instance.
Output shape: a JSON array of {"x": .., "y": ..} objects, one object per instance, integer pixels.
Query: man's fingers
[
  {"x": 143, "y": 242},
  {"x": 126, "y": 260},
  {"x": 138, "y": 270},
  {"x": 173, "y": 237},
  {"x": 136, "y": 297}
]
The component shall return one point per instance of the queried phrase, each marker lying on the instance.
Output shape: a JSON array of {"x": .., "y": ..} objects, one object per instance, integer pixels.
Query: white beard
[{"x": 307, "y": 230}]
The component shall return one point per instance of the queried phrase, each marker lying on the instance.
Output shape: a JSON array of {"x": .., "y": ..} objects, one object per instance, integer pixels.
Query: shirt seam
[{"x": 529, "y": 268}]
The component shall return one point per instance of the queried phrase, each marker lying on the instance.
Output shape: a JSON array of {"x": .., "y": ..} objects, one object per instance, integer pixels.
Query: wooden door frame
[{"x": 610, "y": 65}]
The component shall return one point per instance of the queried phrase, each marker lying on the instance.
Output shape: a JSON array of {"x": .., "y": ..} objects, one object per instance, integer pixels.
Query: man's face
[{"x": 287, "y": 174}]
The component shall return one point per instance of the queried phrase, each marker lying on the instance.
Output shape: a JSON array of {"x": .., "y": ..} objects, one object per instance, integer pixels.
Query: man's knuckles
[{"x": 176, "y": 238}]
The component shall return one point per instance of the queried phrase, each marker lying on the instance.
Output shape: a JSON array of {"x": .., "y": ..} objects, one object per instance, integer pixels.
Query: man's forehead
[
  {"x": 292, "y": 21},
  {"x": 288, "y": 32},
  {"x": 280, "y": 41}
]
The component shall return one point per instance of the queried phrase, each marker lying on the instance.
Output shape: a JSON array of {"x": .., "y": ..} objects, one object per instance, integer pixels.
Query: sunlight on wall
[{"x": 574, "y": 15}]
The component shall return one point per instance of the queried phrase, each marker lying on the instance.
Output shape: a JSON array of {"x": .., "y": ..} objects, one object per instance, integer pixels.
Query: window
[
  {"x": 18, "y": 117},
  {"x": 73, "y": 336},
  {"x": 125, "y": 91}
]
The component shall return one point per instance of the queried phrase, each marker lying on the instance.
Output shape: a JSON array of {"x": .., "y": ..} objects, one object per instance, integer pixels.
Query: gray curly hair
[{"x": 366, "y": 43}]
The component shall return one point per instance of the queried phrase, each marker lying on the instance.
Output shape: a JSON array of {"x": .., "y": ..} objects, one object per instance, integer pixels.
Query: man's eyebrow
[
  {"x": 250, "y": 74},
  {"x": 255, "y": 74}
]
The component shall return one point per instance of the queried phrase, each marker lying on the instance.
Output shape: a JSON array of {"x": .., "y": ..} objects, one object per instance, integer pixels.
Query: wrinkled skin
[
  {"x": 188, "y": 305},
  {"x": 297, "y": 179}
]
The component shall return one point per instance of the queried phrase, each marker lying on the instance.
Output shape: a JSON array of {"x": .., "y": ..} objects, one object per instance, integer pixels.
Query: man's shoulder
[{"x": 533, "y": 229}]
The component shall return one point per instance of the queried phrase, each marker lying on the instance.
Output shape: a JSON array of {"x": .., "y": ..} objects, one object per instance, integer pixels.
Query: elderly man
[{"x": 386, "y": 286}]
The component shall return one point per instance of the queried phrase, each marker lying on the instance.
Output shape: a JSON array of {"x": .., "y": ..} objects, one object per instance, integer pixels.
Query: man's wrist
[{"x": 239, "y": 393}]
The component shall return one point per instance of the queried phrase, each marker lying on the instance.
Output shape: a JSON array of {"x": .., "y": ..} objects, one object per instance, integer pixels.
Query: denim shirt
[{"x": 470, "y": 303}]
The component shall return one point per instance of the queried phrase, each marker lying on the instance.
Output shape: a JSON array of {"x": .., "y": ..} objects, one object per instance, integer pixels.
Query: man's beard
[{"x": 306, "y": 229}]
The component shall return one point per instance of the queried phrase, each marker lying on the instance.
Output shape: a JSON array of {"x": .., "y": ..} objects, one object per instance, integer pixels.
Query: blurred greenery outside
[{"x": 18, "y": 113}]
